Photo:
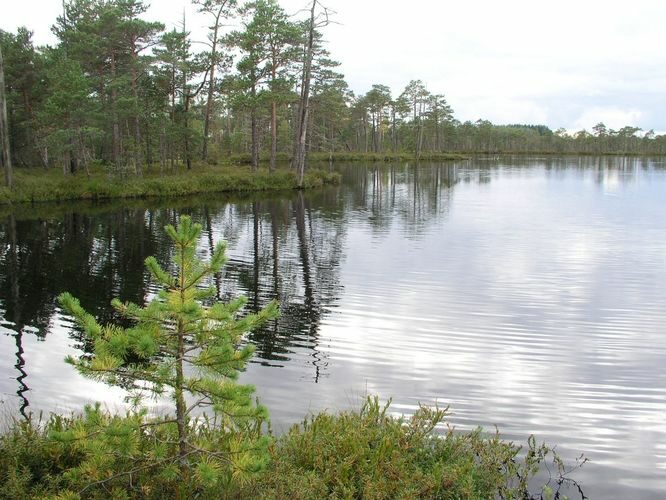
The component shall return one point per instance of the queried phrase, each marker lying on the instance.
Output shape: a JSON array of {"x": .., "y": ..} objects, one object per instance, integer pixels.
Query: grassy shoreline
[
  {"x": 234, "y": 176},
  {"x": 32, "y": 186}
]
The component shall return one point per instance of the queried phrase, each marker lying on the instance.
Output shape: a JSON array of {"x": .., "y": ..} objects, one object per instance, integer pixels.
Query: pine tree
[{"x": 183, "y": 343}]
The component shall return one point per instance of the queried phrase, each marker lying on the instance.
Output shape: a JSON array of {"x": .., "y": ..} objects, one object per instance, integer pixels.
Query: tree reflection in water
[{"x": 287, "y": 246}]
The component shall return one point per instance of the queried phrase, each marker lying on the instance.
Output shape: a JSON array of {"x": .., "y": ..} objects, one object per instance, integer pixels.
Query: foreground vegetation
[
  {"x": 356, "y": 454},
  {"x": 370, "y": 454},
  {"x": 38, "y": 185}
]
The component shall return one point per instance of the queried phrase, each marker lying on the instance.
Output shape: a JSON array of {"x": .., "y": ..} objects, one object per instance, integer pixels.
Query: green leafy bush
[{"x": 369, "y": 454}]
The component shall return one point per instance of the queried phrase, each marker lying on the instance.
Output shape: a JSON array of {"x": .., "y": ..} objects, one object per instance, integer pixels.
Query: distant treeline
[{"x": 120, "y": 91}]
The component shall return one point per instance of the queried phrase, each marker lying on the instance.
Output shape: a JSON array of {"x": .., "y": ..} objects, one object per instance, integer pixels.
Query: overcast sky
[{"x": 570, "y": 63}]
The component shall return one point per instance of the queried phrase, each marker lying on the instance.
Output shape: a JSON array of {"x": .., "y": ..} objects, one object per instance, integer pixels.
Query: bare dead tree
[{"x": 316, "y": 21}]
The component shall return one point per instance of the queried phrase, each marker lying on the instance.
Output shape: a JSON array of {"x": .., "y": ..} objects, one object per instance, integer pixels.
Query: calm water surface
[{"x": 524, "y": 293}]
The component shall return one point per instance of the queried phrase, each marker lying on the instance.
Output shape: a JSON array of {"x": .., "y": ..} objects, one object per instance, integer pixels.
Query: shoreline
[{"x": 38, "y": 185}]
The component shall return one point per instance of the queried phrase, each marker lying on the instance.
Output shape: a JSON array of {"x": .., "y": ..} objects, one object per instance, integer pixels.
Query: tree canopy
[{"x": 119, "y": 91}]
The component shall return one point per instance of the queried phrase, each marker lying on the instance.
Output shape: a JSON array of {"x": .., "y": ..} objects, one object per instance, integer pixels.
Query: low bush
[{"x": 370, "y": 454}]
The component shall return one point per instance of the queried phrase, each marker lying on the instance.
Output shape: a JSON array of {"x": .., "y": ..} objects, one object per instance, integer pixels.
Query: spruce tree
[{"x": 186, "y": 344}]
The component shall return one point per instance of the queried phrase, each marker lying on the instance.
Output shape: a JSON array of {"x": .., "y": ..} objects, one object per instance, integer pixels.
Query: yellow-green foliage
[
  {"x": 365, "y": 454},
  {"x": 181, "y": 343},
  {"x": 100, "y": 455}
]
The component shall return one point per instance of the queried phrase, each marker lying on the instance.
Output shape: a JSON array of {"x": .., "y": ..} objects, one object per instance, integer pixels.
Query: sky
[{"x": 570, "y": 64}]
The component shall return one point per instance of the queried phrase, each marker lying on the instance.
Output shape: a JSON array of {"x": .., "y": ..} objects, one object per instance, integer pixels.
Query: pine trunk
[
  {"x": 211, "y": 90},
  {"x": 273, "y": 161},
  {"x": 137, "y": 117},
  {"x": 6, "y": 156},
  {"x": 180, "y": 380},
  {"x": 116, "y": 127},
  {"x": 254, "y": 147}
]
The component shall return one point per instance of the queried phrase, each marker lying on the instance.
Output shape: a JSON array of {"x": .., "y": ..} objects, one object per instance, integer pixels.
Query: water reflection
[
  {"x": 525, "y": 292},
  {"x": 287, "y": 247},
  {"x": 15, "y": 314},
  {"x": 410, "y": 195}
]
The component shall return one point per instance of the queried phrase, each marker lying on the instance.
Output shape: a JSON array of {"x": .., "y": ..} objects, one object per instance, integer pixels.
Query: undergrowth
[
  {"x": 372, "y": 455},
  {"x": 357, "y": 454}
]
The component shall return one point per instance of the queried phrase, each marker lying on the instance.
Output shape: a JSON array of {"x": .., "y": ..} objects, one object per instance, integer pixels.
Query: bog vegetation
[
  {"x": 358, "y": 454},
  {"x": 50, "y": 185},
  {"x": 123, "y": 92}
]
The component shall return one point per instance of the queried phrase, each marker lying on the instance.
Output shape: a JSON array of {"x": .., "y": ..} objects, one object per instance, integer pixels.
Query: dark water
[{"x": 528, "y": 294}]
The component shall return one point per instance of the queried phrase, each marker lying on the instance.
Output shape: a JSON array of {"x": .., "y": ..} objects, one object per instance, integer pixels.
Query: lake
[{"x": 526, "y": 293}]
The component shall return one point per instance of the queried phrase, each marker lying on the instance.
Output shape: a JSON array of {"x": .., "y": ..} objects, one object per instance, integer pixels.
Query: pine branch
[{"x": 132, "y": 471}]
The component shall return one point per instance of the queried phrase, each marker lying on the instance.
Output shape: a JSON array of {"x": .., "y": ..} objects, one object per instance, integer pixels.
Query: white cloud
[
  {"x": 504, "y": 110},
  {"x": 614, "y": 118},
  {"x": 561, "y": 61}
]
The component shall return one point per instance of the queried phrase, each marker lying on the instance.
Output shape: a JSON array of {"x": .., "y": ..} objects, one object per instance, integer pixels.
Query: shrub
[{"x": 369, "y": 454}]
